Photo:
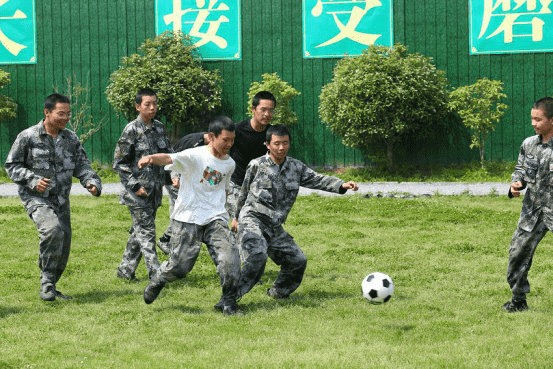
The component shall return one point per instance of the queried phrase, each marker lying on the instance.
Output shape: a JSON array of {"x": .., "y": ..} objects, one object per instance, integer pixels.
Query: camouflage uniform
[
  {"x": 249, "y": 144},
  {"x": 139, "y": 140},
  {"x": 36, "y": 155},
  {"x": 535, "y": 170},
  {"x": 185, "y": 246},
  {"x": 267, "y": 196}
]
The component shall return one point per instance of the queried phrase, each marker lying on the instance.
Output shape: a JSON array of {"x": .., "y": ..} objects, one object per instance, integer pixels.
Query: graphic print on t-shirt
[{"x": 212, "y": 176}]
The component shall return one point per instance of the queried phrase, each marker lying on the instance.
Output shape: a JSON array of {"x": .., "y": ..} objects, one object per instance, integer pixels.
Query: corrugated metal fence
[{"x": 87, "y": 39}]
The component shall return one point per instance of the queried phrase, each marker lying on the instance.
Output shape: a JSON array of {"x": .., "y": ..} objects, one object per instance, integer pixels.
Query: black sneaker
[
  {"x": 231, "y": 309},
  {"x": 152, "y": 290},
  {"x": 273, "y": 292},
  {"x": 48, "y": 292},
  {"x": 124, "y": 275},
  {"x": 220, "y": 305},
  {"x": 514, "y": 306},
  {"x": 163, "y": 246},
  {"x": 60, "y": 295}
]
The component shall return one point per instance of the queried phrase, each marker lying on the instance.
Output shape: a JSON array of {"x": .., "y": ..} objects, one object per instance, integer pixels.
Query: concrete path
[{"x": 412, "y": 188}]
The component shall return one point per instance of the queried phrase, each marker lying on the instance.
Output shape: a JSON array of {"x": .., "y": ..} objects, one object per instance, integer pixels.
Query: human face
[
  {"x": 278, "y": 148},
  {"x": 541, "y": 124},
  {"x": 221, "y": 144},
  {"x": 58, "y": 118},
  {"x": 147, "y": 108},
  {"x": 262, "y": 114}
]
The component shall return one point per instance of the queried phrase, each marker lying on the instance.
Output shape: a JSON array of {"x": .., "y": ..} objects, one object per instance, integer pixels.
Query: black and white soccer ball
[{"x": 377, "y": 288}]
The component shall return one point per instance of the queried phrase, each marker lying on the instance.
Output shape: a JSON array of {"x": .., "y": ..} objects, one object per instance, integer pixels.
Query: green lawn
[{"x": 446, "y": 254}]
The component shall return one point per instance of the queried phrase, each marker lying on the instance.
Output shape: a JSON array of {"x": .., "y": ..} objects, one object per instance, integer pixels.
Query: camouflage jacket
[
  {"x": 269, "y": 191},
  {"x": 139, "y": 140},
  {"x": 535, "y": 170},
  {"x": 34, "y": 156}
]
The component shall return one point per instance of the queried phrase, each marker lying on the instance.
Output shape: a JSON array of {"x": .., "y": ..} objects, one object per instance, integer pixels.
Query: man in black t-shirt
[
  {"x": 249, "y": 143},
  {"x": 187, "y": 142}
]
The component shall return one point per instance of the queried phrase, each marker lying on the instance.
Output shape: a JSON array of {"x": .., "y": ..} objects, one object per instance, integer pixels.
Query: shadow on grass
[
  {"x": 6, "y": 311},
  {"x": 96, "y": 296}
]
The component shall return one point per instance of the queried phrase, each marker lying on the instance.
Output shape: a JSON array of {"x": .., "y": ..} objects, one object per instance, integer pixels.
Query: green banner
[
  {"x": 214, "y": 25},
  {"x": 17, "y": 32},
  {"x": 510, "y": 26},
  {"x": 333, "y": 28}
]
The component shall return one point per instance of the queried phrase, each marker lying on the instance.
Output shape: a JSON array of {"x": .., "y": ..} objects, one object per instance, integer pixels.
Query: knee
[
  {"x": 54, "y": 233},
  {"x": 256, "y": 257}
]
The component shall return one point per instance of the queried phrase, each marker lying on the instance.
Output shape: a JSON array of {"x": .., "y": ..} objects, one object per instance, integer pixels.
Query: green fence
[{"x": 87, "y": 39}]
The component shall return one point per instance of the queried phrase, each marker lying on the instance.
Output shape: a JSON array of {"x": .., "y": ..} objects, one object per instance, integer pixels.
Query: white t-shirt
[{"x": 203, "y": 184}]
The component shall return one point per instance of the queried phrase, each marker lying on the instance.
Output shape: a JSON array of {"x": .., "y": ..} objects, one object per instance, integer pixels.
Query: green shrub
[
  {"x": 479, "y": 108},
  {"x": 187, "y": 93},
  {"x": 384, "y": 95},
  {"x": 283, "y": 92},
  {"x": 7, "y": 105}
]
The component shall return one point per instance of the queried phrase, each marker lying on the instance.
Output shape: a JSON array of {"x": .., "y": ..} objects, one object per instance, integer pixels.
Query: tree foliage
[
  {"x": 383, "y": 96},
  {"x": 187, "y": 93},
  {"x": 82, "y": 122},
  {"x": 283, "y": 93},
  {"x": 479, "y": 108},
  {"x": 7, "y": 106}
]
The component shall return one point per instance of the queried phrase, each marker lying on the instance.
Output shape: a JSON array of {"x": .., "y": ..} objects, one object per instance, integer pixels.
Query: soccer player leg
[
  {"x": 232, "y": 200},
  {"x": 521, "y": 253},
  {"x": 185, "y": 247},
  {"x": 51, "y": 238},
  {"x": 217, "y": 239},
  {"x": 131, "y": 255},
  {"x": 254, "y": 253},
  {"x": 145, "y": 233},
  {"x": 65, "y": 223},
  {"x": 286, "y": 253}
]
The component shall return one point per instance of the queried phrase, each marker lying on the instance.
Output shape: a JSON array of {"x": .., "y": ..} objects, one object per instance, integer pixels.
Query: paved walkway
[{"x": 411, "y": 188}]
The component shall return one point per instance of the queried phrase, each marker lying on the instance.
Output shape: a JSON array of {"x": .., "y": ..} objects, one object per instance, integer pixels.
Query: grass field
[{"x": 446, "y": 254}]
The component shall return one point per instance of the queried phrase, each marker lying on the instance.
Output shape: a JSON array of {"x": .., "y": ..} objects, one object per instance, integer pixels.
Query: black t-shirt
[
  {"x": 248, "y": 144},
  {"x": 190, "y": 141}
]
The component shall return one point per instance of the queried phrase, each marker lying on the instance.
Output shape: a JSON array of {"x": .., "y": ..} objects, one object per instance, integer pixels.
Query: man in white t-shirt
[{"x": 199, "y": 214}]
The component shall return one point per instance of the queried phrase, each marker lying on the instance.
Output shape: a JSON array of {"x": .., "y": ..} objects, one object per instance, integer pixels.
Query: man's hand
[
  {"x": 350, "y": 186},
  {"x": 145, "y": 160},
  {"x": 234, "y": 225},
  {"x": 92, "y": 189},
  {"x": 43, "y": 185},
  {"x": 141, "y": 191},
  {"x": 515, "y": 188},
  {"x": 176, "y": 182}
]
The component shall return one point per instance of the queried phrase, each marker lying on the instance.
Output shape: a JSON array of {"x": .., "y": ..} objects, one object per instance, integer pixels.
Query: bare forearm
[{"x": 156, "y": 159}]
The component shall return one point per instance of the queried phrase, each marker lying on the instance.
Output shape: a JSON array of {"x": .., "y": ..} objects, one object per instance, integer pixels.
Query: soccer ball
[{"x": 377, "y": 287}]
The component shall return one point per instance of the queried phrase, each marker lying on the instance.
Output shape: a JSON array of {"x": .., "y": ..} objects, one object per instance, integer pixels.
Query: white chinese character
[
  {"x": 201, "y": 18},
  {"x": 348, "y": 30},
  {"x": 510, "y": 18}
]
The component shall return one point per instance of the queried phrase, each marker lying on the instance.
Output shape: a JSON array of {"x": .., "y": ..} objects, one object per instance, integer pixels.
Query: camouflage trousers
[
  {"x": 185, "y": 245},
  {"x": 259, "y": 242},
  {"x": 173, "y": 194},
  {"x": 142, "y": 241},
  {"x": 232, "y": 200},
  {"x": 521, "y": 253},
  {"x": 54, "y": 228}
]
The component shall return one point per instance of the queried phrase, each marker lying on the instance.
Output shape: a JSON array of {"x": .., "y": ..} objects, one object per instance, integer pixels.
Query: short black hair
[
  {"x": 545, "y": 104},
  {"x": 277, "y": 130},
  {"x": 51, "y": 101},
  {"x": 219, "y": 123},
  {"x": 263, "y": 95},
  {"x": 144, "y": 92}
]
